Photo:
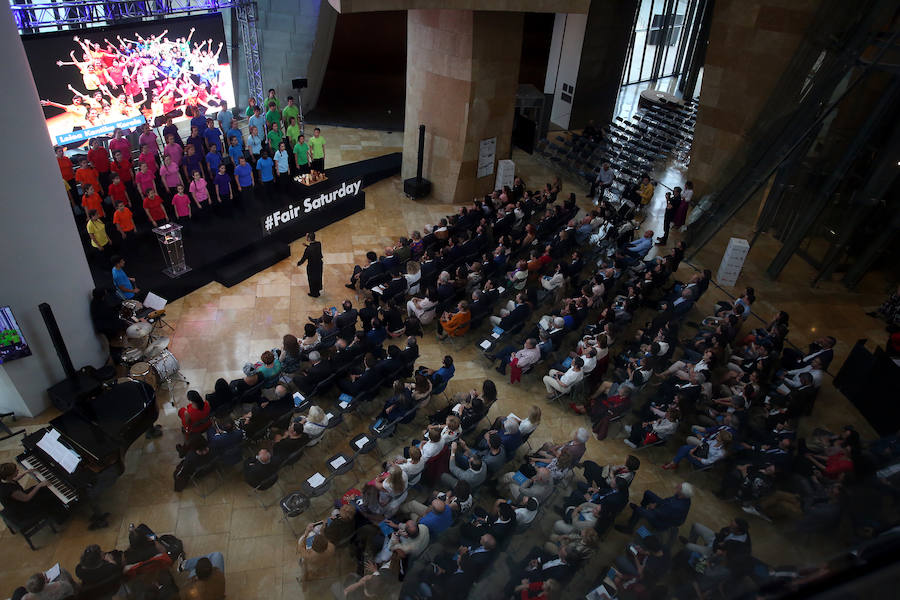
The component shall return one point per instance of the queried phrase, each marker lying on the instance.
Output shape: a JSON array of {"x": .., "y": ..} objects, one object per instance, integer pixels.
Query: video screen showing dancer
[{"x": 94, "y": 80}]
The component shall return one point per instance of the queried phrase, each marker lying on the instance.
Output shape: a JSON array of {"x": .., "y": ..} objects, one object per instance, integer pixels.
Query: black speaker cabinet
[{"x": 299, "y": 84}]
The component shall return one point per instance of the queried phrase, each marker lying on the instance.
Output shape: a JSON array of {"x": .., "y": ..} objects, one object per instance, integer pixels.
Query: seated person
[
  {"x": 456, "y": 323},
  {"x": 710, "y": 450},
  {"x": 650, "y": 432},
  {"x": 307, "y": 380},
  {"x": 195, "y": 416},
  {"x": 514, "y": 313},
  {"x": 501, "y": 523},
  {"x": 225, "y": 441},
  {"x": 362, "y": 379},
  {"x": 41, "y": 588},
  {"x": 97, "y": 567},
  {"x": 265, "y": 371},
  {"x": 398, "y": 404},
  {"x": 661, "y": 513},
  {"x": 441, "y": 377},
  {"x": 206, "y": 577},
  {"x": 646, "y": 563},
  {"x": 510, "y": 437},
  {"x": 196, "y": 459},
  {"x": 259, "y": 468},
  {"x": 289, "y": 442},
  {"x": 289, "y": 354},
  {"x": 474, "y": 475},
  {"x": 36, "y": 502},
  {"x": 362, "y": 275},
  {"x": 539, "y": 486},
  {"x": 559, "y": 383},
  {"x": 523, "y": 359},
  {"x": 314, "y": 423},
  {"x": 142, "y": 546}
]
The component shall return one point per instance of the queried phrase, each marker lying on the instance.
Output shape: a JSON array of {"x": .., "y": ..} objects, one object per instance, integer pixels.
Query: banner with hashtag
[{"x": 317, "y": 210}]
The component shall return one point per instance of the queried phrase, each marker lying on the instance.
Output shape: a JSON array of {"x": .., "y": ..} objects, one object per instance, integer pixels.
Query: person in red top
[
  {"x": 153, "y": 206},
  {"x": 99, "y": 157},
  {"x": 65, "y": 166},
  {"x": 836, "y": 464},
  {"x": 87, "y": 175},
  {"x": 123, "y": 168},
  {"x": 117, "y": 192},
  {"x": 91, "y": 200},
  {"x": 119, "y": 144},
  {"x": 124, "y": 222},
  {"x": 194, "y": 416},
  {"x": 148, "y": 157}
]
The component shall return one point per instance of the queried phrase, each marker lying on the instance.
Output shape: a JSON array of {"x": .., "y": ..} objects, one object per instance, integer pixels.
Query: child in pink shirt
[
  {"x": 181, "y": 202},
  {"x": 198, "y": 189}
]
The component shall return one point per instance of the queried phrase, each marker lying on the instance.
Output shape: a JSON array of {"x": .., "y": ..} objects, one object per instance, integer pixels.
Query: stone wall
[
  {"x": 751, "y": 43},
  {"x": 461, "y": 80}
]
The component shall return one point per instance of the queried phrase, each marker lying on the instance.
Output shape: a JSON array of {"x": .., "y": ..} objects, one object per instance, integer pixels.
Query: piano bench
[{"x": 27, "y": 528}]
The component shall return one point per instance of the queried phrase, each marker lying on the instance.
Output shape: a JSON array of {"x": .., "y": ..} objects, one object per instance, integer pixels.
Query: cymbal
[
  {"x": 157, "y": 346},
  {"x": 138, "y": 330}
]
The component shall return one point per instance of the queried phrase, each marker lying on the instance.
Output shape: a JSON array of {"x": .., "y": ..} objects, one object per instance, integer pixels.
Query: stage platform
[{"x": 228, "y": 244}]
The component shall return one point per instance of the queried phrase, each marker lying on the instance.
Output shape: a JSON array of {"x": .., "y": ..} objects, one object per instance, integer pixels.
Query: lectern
[{"x": 169, "y": 238}]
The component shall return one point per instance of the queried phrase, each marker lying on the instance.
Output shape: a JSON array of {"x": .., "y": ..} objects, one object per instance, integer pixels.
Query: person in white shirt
[
  {"x": 433, "y": 443},
  {"x": 558, "y": 382},
  {"x": 792, "y": 378},
  {"x": 412, "y": 466},
  {"x": 526, "y": 425},
  {"x": 590, "y": 361},
  {"x": 525, "y": 512},
  {"x": 413, "y": 275},
  {"x": 551, "y": 282},
  {"x": 410, "y": 539},
  {"x": 451, "y": 430},
  {"x": 583, "y": 517}
]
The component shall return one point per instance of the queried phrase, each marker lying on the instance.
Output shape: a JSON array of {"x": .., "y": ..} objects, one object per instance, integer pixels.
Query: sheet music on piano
[{"x": 64, "y": 457}]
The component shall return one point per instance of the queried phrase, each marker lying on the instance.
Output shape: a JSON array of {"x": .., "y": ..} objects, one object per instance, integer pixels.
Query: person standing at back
[{"x": 317, "y": 150}]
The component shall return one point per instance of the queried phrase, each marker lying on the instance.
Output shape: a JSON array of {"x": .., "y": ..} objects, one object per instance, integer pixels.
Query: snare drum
[
  {"x": 132, "y": 355},
  {"x": 142, "y": 371},
  {"x": 155, "y": 370}
]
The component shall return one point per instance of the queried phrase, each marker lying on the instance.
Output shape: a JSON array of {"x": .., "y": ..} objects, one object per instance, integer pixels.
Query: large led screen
[{"x": 94, "y": 80}]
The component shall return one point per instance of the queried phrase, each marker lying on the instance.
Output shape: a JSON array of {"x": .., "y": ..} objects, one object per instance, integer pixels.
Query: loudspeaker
[
  {"x": 299, "y": 84},
  {"x": 417, "y": 187},
  {"x": 56, "y": 337}
]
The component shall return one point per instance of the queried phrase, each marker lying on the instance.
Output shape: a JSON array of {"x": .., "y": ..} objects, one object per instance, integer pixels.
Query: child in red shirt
[
  {"x": 153, "y": 206},
  {"x": 122, "y": 167},
  {"x": 123, "y": 220},
  {"x": 117, "y": 192},
  {"x": 87, "y": 175},
  {"x": 91, "y": 200}
]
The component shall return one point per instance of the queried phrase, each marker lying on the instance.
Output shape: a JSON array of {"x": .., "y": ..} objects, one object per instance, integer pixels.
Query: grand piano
[{"x": 82, "y": 451}]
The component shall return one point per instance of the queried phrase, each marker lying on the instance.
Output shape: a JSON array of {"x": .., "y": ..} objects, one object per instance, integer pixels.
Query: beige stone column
[{"x": 461, "y": 79}]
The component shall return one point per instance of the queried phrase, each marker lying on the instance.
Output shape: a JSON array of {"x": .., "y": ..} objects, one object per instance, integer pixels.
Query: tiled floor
[{"x": 217, "y": 330}]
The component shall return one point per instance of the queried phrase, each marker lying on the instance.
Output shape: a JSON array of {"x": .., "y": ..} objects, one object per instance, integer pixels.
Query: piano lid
[{"x": 104, "y": 426}]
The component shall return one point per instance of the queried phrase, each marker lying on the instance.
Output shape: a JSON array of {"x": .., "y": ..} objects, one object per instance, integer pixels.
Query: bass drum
[
  {"x": 165, "y": 364},
  {"x": 155, "y": 370}
]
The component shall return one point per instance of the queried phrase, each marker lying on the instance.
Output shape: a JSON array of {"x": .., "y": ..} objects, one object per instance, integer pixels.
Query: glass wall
[{"x": 659, "y": 40}]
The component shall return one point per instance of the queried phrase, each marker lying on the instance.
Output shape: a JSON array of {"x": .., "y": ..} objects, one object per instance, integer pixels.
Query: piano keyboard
[{"x": 62, "y": 490}]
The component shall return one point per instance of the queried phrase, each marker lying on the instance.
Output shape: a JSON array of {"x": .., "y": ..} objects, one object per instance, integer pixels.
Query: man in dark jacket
[
  {"x": 661, "y": 513},
  {"x": 315, "y": 374}
]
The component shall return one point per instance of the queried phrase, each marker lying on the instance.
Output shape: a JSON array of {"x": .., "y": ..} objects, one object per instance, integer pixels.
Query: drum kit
[{"x": 147, "y": 355}]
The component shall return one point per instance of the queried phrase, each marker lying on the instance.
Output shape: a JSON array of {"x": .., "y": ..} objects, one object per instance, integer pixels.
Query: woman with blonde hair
[
  {"x": 314, "y": 424},
  {"x": 394, "y": 487},
  {"x": 413, "y": 275}
]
